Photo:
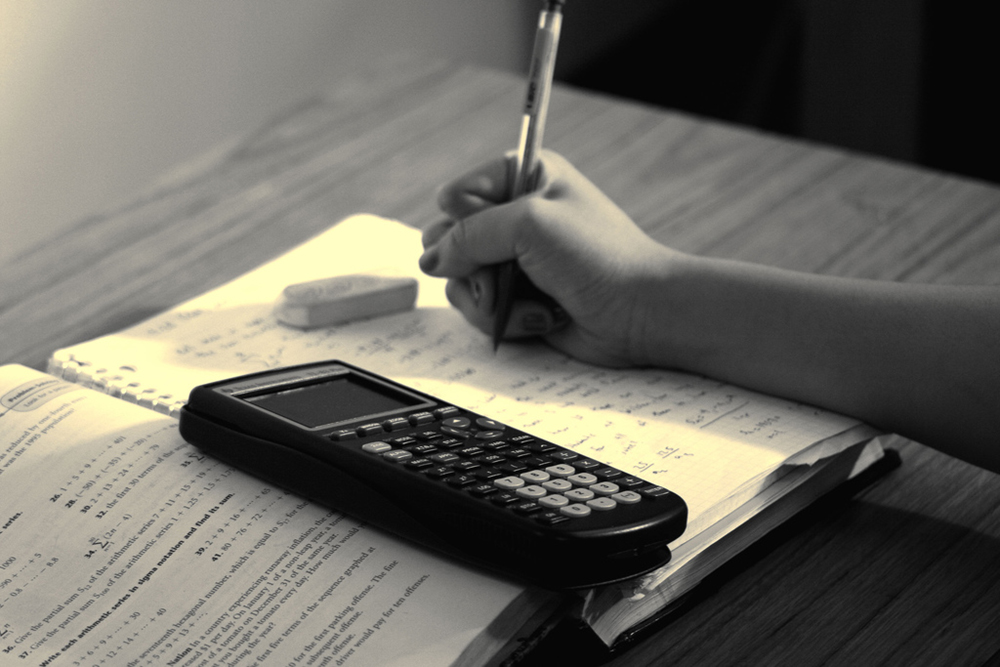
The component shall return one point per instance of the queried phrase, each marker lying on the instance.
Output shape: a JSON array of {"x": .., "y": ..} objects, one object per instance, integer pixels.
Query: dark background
[{"x": 911, "y": 80}]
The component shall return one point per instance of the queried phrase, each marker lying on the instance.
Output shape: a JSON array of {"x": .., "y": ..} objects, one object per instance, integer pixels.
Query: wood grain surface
[{"x": 908, "y": 573}]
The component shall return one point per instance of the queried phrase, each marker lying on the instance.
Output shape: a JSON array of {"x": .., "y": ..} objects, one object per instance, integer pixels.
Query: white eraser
[{"x": 342, "y": 299}]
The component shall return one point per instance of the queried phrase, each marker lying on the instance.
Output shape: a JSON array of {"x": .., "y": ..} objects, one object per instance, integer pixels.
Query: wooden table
[{"x": 907, "y": 573}]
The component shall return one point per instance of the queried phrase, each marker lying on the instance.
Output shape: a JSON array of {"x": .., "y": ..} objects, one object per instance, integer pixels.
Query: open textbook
[
  {"x": 730, "y": 453},
  {"x": 120, "y": 544}
]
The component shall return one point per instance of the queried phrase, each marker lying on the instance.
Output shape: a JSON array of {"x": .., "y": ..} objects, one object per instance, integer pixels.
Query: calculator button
[
  {"x": 421, "y": 418},
  {"x": 629, "y": 482},
  {"x": 553, "y": 501},
  {"x": 482, "y": 490},
  {"x": 582, "y": 479},
  {"x": 508, "y": 483},
  {"x": 495, "y": 446},
  {"x": 376, "y": 447},
  {"x": 604, "y": 488},
  {"x": 469, "y": 452},
  {"x": 535, "y": 476},
  {"x": 344, "y": 434},
  {"x": 549, "y": 517},
  {"x": 418, "y": 463},
  {"x": 654, "y": 491},
  {"x": 586, "y": 464},
  {"x": 445, "y": 457},
  {"x": 512, "y": 467},
  {"x": 516, "y": 453},
  {"x": 576, "y": 510},
  {"x": 627, "y": 497},
  {"x": 602, "y": 504},
  {"x": 580, "y": 495},
  {"x": 488, "y": 435},
  {"x": 427, "y": 435},
  {"x": 493, "y": 425},
  {"x": 487, "y": 473},
  {"x": 539, "y": 447},
  {"x": 397, "y": 455},
  {"x": 439, "y": 472},
  {"x": 491, "y": 459},
  {"x": 504, "y": 498},
  {"x": 457, "y": 422},
  {"x": 369, "y": 429},
  {"x": 607, "y": 473},
  {"x": 561, "y": 470},
  {"x": 461, "y": 480},
  {"x": 557, "y": 485},
  {"x": 456, "y": 432},
  {"x": 395, "y": 424},
  {"x": 526, "y": 507},
  {"x": 448, "y": 443},
  {"x": 402, "y": 441},
  {"x": 422, "y": 450},
  {"x": 466, "y": 466},
  {"x": 532, "y": 491},
  {"x": 446, "y": 411},
  {"x": 564, "y": 456}
]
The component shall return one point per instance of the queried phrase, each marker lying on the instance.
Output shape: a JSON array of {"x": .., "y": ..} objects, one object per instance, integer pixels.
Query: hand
[{"x": 572, "y": 241}]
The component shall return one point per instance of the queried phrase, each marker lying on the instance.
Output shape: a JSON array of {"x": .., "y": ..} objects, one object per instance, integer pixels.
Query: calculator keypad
[{"x": 510, "y": 469}]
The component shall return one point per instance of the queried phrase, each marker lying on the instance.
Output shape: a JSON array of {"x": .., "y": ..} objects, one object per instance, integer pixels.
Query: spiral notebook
[{"x": 729, "y": 452}]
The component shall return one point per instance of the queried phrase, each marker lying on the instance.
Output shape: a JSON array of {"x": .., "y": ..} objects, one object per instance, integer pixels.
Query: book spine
[{"x": 118, "y": 383}]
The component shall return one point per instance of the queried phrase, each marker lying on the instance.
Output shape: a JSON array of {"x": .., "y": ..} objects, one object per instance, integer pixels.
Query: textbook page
[
  {"x": 705, "y": 440},
  {"x": 122, "y": 545}
]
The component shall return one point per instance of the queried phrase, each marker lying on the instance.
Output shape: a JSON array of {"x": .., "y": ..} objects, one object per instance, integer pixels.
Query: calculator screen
[{"x": 346, "y": 398}]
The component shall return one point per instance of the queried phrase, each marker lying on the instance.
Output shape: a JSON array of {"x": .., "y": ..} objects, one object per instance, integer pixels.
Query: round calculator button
[
  {"x": 553, "y": 501},
  {"x": 575, "y": 510},
  {"x": 627, "y": 497},
  {"x": 489, "y": 435},
  {"x": 535, "y": 476},
  {"x": 561, "y": 470},
  {"x": 602, "y": 504},
  {"x": 557, "y": 485},
  {"x": 604, "y": 488},
  {"x": 456, "y": 432},
  {"x": 532, "y": 491},
  {"x": 583, "y": 479},
  {"x": 457, "y": 422},
  {"x": 491, "y": 424},
  {"x": 509, "y": 483},
  {"x": 580, "y": 495}
]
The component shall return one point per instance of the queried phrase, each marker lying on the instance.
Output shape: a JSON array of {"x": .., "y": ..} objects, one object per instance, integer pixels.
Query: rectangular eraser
[{"x": 342, "y": 299}]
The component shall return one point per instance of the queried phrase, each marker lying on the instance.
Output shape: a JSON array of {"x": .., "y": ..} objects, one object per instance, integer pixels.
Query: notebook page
[
  {"x": 703, "y": 439},
  {"x": 121, "y": 544}
]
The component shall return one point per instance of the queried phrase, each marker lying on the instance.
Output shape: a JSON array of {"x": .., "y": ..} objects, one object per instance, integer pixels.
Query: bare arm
[{"x": 919, "y": 360}]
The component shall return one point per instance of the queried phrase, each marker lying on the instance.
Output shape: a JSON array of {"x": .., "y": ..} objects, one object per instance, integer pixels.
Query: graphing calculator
[{"x": 437, "y": 474}]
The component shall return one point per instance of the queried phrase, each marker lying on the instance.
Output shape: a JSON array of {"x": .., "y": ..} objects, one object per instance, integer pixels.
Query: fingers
[
  {"x": 485, "y": 186},
  {"x": 474, "y": 298}
]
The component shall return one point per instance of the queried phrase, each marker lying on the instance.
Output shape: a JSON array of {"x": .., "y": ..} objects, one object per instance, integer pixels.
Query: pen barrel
[{"x": 536, "y": 105}]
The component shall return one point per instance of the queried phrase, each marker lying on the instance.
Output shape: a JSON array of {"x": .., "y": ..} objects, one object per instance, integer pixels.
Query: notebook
[{"x": 729, "y": 452}]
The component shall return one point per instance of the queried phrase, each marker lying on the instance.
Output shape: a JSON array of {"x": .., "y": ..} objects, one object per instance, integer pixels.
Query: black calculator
[{"x": 432, "y": 472}]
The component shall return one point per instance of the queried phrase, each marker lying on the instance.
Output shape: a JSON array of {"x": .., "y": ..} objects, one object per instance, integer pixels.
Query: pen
[{"x": 543, "y": 61}]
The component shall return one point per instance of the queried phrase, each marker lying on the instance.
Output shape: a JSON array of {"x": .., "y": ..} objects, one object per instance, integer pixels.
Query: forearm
[{"x": 923, "y": 361}]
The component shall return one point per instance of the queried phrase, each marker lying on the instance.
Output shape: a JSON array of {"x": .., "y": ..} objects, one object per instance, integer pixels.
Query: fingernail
[
  {"x": 536, "y": 323},
  {"x": 429, "y": 260}
]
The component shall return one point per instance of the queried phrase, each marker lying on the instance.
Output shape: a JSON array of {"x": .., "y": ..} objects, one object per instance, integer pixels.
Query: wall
[{"x": 97, "y": 97}]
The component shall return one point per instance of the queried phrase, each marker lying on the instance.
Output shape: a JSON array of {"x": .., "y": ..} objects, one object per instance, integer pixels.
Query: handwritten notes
[{"x": 702, "y": 439}]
